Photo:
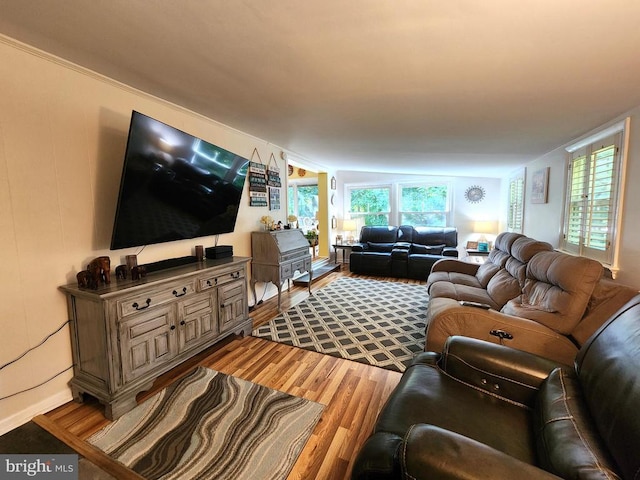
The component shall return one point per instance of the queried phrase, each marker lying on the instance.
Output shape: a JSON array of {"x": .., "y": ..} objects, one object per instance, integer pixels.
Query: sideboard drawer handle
[
  {"x": 176, "y": 294},
  {"x": 138, "y": 307}
]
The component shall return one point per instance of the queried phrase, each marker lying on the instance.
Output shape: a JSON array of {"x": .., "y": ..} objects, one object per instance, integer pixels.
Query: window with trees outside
[
  {"x": 302, "y": 201},
  {"x": 371, "y": 205},
  {"x": 422, "y": 204},
  {"x": 593, "y": 196}
]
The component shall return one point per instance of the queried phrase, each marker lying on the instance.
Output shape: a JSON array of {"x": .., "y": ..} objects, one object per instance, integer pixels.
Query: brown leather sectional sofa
[{"x": 535, "y": 299}]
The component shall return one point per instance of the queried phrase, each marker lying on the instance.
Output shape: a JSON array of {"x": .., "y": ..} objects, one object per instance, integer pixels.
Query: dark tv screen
[{"x": 175, "y": 186}]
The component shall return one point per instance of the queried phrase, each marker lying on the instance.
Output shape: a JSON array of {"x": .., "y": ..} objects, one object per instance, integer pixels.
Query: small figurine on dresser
[
  {"x": 100, "y": 271},
  {"x": 121, "y": 272},
  {"x": 138, "y": 272}
]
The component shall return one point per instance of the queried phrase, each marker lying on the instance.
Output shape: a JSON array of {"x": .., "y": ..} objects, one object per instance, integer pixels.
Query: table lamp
[
  {"x": 484, "y": 228},
  {"x": 349, "y": 226}
]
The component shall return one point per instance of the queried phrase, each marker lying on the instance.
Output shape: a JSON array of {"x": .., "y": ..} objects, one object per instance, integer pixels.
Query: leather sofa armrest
[
  {"x": 454, "y": 265},
  {"x": 450, "y": 252},
  {"x": 496, "y": 369},
  {"x": 431, "y": 452},
  {"x": 359, "y": 247}
]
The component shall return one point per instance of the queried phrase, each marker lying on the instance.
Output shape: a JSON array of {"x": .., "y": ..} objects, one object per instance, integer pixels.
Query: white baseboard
[{"x": 46, "y": 405}]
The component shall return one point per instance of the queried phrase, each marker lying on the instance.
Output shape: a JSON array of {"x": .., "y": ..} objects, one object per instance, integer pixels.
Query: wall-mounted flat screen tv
[{"x": 175, "y": 186}]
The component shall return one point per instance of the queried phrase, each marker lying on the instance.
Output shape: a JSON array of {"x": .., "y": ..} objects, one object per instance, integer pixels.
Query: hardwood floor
[{"x": 352, "y": 392}]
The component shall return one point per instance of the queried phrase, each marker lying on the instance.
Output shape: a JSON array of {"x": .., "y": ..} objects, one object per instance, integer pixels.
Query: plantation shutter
[
  {"x": 592, "y": 199},
  {"x": 515, "y": 220}
]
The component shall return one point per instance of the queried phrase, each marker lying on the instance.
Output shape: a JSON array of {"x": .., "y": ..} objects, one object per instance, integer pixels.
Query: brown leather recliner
[{"x": 482, "y": 410}]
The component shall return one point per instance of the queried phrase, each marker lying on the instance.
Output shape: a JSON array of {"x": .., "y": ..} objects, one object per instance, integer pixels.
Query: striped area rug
[
  {"x": 368, "y": 321},
  {"x": 209, "y": 425}
]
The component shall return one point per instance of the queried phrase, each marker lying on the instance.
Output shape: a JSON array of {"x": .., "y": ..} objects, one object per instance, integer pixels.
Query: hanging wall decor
[
  {"x": 274, "y": 183},
  {"x": 540, "y": 185},
  {"x": 257, "y": 182},
  {"x": 274, "y": 198}
]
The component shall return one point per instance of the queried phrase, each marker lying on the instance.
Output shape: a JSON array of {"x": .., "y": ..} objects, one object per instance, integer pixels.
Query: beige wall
[
  {"x": 544, "y": 221},
  {"x": 63, "y": 133}
]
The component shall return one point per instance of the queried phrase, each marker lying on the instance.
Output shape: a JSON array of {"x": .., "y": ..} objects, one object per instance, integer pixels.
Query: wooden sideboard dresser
[
  {"x": 125, "y": 334},
  {"x": 277, "y": 255}
]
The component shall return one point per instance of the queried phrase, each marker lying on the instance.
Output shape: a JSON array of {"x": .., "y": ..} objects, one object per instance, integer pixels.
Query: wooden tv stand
[{"x": 124, "y": 335}]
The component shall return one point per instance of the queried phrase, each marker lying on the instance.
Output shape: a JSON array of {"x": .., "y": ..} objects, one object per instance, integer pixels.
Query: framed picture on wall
[{"x": 540, "y": 185}]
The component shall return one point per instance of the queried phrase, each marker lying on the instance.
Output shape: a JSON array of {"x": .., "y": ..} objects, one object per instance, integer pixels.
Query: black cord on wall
[
  {"x": 33, "y": 348},
  {"x": 30, "y": 350}
]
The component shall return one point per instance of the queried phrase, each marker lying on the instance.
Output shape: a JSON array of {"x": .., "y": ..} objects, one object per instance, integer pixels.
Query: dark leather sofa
[
  {"x": 403, "y": 252},
  {"x": 482, "y": 410}
]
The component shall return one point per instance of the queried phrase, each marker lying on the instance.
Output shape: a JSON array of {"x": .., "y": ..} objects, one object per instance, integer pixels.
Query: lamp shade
[
  {"x": 485, "y": 226},
  {"x": 349, "y": 225}
]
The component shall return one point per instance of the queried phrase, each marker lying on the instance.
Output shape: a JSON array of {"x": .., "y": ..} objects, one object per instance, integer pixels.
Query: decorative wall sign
[
  {"x": 258, "y": 199},
  {"x": 274, "y": 183},
  {"x": 274, "y": 198},
  {"x": 257, "y": 182},
  {"x": 273, "y": 176}
]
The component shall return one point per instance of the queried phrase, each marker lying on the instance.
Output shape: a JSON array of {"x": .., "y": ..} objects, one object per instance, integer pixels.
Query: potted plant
[
  {"x": 312, "y": 237},
  {"x": 267, "y": 221}
]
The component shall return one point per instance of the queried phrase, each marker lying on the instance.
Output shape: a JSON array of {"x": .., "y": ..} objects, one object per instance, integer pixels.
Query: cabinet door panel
[
  {"x": 232, "y": 304},
  {"x": 146, "y": 340},
  {"x": 196, "y": 321}
]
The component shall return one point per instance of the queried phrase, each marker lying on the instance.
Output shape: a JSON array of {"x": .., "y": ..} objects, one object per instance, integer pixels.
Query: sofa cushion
[
  {"x": 485, "y": 272},
  {"x": 524, "y": 248},
  {"x": 503, "y": 287},
  {"x": 556, "y": 290},
  {"x": 435, "y": 236},
  {"x": 566, "y": 439},
  {"x": 380, "y": 247},
  {"x": 462, "y": 292},
  {"x": 427, "y": 249},
  {"x": 505, "y": 239}
]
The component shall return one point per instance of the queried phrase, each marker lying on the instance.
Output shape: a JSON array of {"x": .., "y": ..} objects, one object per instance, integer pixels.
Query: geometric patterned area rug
[
  {"x": 209, "y": 425},
  {"x": 368, "y": 321}
]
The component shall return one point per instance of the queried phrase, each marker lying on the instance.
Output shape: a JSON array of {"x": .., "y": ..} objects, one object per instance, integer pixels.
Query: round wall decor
[{"x": 474, "y": 194}]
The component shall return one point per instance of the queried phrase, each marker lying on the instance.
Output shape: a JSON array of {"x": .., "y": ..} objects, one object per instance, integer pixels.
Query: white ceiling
[{"x": 419, "y": 86}]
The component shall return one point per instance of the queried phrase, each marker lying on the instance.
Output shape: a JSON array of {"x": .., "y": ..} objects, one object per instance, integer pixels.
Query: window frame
[
  {"x": 448, "y": 201},
  {"x": 516, "y": 195},
  {"x": 359, "y": 216},
  {"x": 395, "y": 190},
  {"x": 585, "y": 149},
  {"x": 305, "y": 223}
]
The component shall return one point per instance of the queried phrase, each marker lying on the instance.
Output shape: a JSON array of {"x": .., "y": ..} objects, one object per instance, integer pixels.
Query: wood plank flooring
[{"x": 353, "y": 393}]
